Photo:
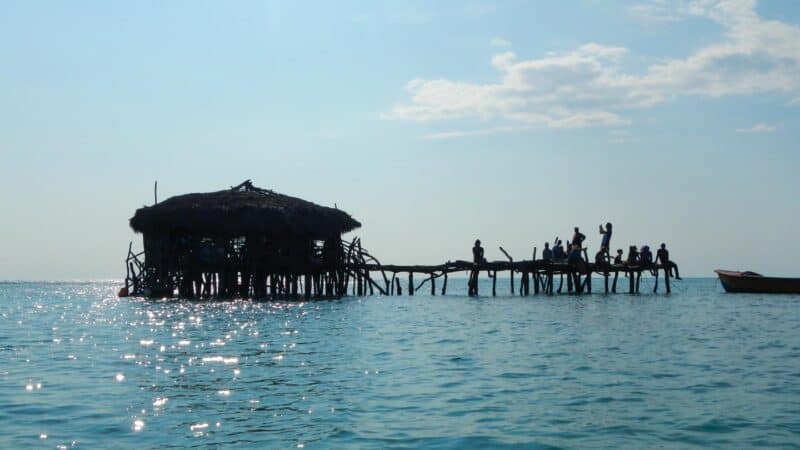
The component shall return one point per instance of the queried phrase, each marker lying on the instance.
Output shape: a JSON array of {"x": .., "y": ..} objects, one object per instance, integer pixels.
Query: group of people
[{"x": 636, "y": 257}]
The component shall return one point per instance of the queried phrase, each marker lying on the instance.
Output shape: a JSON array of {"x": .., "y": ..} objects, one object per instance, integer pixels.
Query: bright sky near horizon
[{"x": 433, "y": 123}]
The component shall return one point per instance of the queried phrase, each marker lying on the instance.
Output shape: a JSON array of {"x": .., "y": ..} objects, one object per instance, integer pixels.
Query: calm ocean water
[{"x": 80, "y": 368}]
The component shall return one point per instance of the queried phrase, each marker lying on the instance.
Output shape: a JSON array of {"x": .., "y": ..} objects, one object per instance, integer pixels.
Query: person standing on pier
[
  {"x": 662, "y": 256},
  {"x": 578, "y": 238},
  {"x": 547, "y": 254},
  {"x": 606, "y": 242},
  {"x": 477, "y": 253},
  {"x": 575, "y": 255}
]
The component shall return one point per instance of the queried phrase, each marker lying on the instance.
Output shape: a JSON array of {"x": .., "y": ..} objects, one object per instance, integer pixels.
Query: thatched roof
[{"x": 241, "y": 210}]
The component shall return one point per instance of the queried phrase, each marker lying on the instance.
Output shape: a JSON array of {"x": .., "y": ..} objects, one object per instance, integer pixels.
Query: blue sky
[{"x": 432, "y": 123}]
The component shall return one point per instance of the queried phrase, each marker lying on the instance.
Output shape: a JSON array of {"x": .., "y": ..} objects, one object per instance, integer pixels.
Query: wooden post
[
  {"x": 630, "y": 282},
  {"x": 444, "y": 285},
  {"x": 536, "y": 279},
  {"x": 307, "y": 285},
  {"x": 473, "y": 283},
  {"x": 569, "y": 280},
  {"x": 605, "y": 275},
  {"x": 614, "y": 288},
  {"x": 666, "y": 279},
  {"x": 399, "y": 287},
  {"x": 494, "y": 284},
  {"x": 526, "y": 283},
  {"x": 638, "y": 279},
  {"x": 410, "y": 283},
  {"x": 589, "y": 282},
  {"x": 655, "y": 283},
  {"x": 433, "y": 285}
]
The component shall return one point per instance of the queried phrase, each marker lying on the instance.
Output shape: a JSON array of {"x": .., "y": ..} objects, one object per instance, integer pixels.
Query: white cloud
[
  {"x": 657, "y": 11},
  {"x": 478, "y": 132},
  {"x": 760, "y": 127},
  {"x": 499, "y": 42},
  {"x": 588, "y": 86}
]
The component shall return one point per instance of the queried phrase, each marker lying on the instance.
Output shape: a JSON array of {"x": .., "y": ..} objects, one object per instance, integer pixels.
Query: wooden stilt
[
  {"x": 589, "y": 282},
  {"x": 655, "y": 283},
  {"x": 512, "y": 281},
  {"x": 638, "y": 279},
  {"x": 410, "y": 283},
  {"x": 631, "y": 281},
  {"x": 444, "y": 285}
]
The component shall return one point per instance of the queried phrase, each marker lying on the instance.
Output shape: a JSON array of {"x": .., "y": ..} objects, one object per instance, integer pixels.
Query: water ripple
[{"x": 699, "y": 368}]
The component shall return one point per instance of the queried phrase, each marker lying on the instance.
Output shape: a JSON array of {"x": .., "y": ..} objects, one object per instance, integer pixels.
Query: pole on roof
[{"x": 155, "y": 192}]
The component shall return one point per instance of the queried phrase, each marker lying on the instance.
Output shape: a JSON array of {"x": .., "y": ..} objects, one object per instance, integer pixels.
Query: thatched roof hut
[{"x": 242, "y": 210}]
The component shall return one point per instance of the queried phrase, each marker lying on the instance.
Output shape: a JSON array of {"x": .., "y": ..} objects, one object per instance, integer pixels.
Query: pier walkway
[{"x": 535, "y": 276}]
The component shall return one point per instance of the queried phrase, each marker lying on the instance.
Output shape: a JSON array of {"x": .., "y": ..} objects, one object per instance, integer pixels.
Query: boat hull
[{"x": 756, "y": 284}]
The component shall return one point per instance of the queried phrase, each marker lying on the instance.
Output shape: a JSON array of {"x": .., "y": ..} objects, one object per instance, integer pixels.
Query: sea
[{"x": 697, "y": 368}]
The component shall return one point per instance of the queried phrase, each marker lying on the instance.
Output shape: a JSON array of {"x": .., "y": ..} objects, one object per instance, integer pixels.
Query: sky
[{"x": 432, "y": 123}]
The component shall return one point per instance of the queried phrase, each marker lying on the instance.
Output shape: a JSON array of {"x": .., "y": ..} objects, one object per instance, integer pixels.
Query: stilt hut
[{"x": 240, "y": 242}]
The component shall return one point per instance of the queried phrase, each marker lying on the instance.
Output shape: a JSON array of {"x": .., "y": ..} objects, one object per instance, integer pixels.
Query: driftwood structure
[
  {"x": 254, "y": 243},
  {"x": 239, "y": 242},
  {"x": 535, "y": 276}
]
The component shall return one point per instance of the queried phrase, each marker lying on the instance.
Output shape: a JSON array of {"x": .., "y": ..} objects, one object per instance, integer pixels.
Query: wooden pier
[{"x": 526, "y": 277}]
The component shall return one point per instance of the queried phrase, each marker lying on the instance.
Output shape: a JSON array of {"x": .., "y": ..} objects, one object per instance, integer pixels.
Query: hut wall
[{"x": 193, "y": 266}]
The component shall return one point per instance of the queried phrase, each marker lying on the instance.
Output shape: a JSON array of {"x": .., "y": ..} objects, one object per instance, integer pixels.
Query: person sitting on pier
[
  {"x": 645, "y": 256},
  {"x": 547, "y": 254},
  {"x": 662, "y": 256},
  {"x": 558, "y": 252},
  {"x": 633, "y": 256},
  {"x": 618, "y": 258},
  {"x": 578, "y": 238},
  {"x": 601, "y": 258},
  {"x": 606, "y": 242},
  {"x": 477, "y": 253}
]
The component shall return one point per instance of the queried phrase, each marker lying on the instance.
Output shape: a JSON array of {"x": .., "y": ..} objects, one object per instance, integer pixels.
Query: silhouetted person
[
  {"x": 547, "y": 254},
  {"x": 618, "y": 258},
  {"x": 558, "y": 252},
  {"x": 575, "y": 254},
  {"x": 645, "y": 256},
  {"x": 477, "y": 253},
  {"x": 605, "y": 244},
  {"x": 633, "y": 256},
  {"x": 662, "y": 256},
  {"x": 578, "y": 237},
  {"x": 600, "y": 258}
]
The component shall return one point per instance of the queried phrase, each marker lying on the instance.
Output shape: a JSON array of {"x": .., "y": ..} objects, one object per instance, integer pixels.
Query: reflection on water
[{"x": 83, "y": 369}]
